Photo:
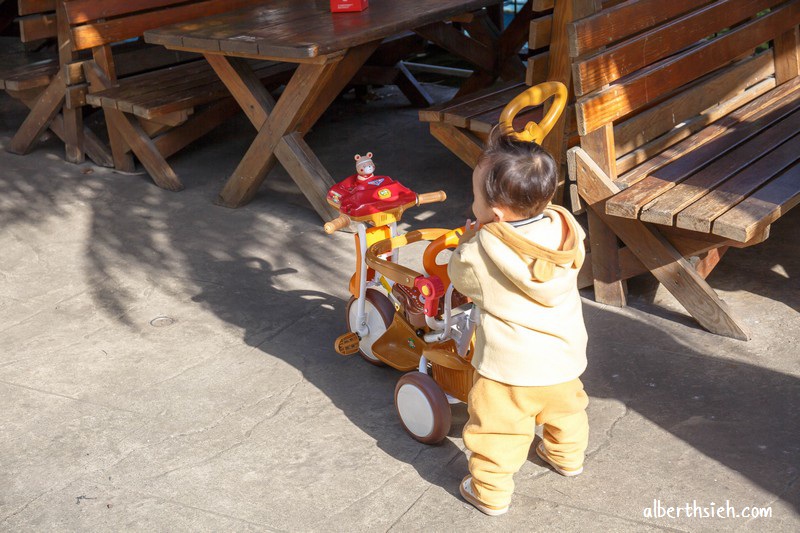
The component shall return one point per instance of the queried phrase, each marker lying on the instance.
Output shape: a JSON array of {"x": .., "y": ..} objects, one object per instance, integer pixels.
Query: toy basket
[{"x": 456, "y": 383}]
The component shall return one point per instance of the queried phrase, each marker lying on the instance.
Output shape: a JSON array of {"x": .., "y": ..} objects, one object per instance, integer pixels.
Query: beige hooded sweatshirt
[{"x": 531, "y": 331}]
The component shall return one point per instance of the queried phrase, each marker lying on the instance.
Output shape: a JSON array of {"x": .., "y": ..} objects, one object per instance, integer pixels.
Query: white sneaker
[
  {"x": 468, "y": 494},
  {"x": 542, "y": 453}
]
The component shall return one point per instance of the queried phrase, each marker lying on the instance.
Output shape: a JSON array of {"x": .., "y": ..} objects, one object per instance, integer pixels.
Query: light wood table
[{"x": 329, "y": 49}]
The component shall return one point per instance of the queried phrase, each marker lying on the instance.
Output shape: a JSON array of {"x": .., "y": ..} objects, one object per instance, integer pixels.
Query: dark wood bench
[
  {"x": 154, "y": 114},
  {"x": 689, "y": 140},
  {"x": 463, "y": 123},
  {"x": 25, "y": 75}
]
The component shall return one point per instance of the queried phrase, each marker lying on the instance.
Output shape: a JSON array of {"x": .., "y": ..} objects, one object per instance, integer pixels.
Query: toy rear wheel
[
  {"x": 380, "y": 313},
  {"x": 422, "y": 407}
]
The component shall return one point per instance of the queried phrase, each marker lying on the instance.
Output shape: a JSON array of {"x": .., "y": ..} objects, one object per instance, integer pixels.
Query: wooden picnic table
[{"x": 329, "y": 49}]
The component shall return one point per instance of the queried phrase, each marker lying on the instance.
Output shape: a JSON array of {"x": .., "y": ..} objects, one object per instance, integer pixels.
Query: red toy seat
[{"x": 376, "y": 195}]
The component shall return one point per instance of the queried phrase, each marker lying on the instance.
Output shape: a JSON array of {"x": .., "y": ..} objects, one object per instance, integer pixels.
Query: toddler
[{"x": 519, "y": 263}]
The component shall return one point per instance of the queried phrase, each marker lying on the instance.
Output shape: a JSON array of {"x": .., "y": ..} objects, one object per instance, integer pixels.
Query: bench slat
[
  {"x": 663, "y": 41},
  {"x": 178, "y": 88},
  {"x": 29, "y": 7},
  {"x": 700, "y": 215},
  {"x": 79, "y": 11},
  {"x": 646, "y": 126},
  {"x": 436, "y": 113},
  {"x": 665, "y": 171},
  {"x": 761, "y": 208},
  {"x": 663, "y": 209},
  {"x": 119, "y": 29},
  {"x": 651, "y": 83},
  {"x": 628, "y": 18},
  {"x": 460, "y": 115},
  {"x": 36, "y": 27}
]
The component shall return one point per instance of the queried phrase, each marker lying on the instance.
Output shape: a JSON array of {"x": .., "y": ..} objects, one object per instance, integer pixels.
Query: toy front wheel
[
  {"x": 422, "y": 407},
  {"x": 380, "y": 313}
]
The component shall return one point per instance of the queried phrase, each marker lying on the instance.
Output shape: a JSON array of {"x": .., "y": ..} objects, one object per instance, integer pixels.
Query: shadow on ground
[{"x": 253, "y": 267}]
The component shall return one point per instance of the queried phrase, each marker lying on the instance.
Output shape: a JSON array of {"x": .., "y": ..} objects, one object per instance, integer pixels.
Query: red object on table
[
  {"x": 359, "y": 198},
  {"x": 340, "y": 6}
]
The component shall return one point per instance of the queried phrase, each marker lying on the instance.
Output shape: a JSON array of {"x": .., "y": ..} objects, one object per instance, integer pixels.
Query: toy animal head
[{"x": 364, "y": 165}]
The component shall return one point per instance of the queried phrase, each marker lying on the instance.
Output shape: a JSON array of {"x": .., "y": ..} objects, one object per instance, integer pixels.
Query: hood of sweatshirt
[{"x": 543, "y": 274}]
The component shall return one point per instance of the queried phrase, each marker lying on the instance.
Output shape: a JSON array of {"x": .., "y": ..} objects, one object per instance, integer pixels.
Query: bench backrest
[
  {"x": 651, "y": 68},
  {"x": 96, "y": 25},
  {"x": 37, "y": 20}
]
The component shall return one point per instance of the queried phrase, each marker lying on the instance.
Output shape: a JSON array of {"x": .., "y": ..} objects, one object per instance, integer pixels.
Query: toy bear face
[{"x": 364, "y": 165}]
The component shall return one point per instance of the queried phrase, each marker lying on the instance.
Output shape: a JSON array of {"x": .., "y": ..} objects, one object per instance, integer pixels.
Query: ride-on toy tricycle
[{"x": 415, "y": 322}]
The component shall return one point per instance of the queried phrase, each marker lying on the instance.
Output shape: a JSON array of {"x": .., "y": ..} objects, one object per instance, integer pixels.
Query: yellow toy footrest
[{"x": 399, "y": 346}]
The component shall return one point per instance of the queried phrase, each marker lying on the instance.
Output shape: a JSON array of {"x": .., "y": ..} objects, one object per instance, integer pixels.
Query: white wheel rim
[
  {"x": 415, "y": 410},
  {"x": 374, "y": 324}
]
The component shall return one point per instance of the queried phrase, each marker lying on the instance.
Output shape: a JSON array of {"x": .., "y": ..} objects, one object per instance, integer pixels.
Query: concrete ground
[{"x": 167, "y": 364}]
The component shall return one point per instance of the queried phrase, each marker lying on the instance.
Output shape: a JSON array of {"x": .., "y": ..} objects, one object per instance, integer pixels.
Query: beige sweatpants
[{"x": 501, "y": 425}]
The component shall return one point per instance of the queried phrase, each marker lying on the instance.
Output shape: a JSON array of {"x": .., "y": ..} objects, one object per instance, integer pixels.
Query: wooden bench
[
  {"x": 463, "y": 123},
  {"x": 689, "y": 140},
  {"x": 154, "y": 114},
  {"x": 27, "y": 74}
]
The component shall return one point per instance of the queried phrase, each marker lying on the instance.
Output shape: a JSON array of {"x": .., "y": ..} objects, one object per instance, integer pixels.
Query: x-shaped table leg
[{"x": 282, "y": 124}]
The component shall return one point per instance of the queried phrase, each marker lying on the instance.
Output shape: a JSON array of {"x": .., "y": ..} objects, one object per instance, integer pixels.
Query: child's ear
[{"x": 500, "y": 214}]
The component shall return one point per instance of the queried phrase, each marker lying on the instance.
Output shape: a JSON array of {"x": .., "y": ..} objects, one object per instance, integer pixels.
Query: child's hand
[{"x": 470, "y": 229}]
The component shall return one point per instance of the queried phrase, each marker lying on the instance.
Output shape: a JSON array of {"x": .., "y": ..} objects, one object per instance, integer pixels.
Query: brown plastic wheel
[
  {"x": 422, "y": 407},
  {"x": 380, "y": 313}
]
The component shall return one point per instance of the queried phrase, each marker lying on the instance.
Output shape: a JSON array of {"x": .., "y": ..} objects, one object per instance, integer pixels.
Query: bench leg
[
  {"x": 141, "y": 145},
  {"x": 47, "y": 106},
  {"x": 73, "y": 135},
  {"x": 466, "y": 146},
  {"x": 658, "y": 255},
  {"x": 609, "y": 285}
]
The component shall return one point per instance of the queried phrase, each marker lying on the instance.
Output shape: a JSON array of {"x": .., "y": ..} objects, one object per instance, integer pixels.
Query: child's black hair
[{"x": 521, "y": 176}]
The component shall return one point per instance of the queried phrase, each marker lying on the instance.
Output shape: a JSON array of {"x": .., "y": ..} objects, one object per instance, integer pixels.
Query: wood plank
[
  {"x": 36, "y": 27},
  {"x": 460, "y": 115},
  {"x": 787, "y": 55},
  {"x": 197, "y": 126},
  {"x": 34, "y": 76},
  {"x": 658, "y": 255},
  {"x": 722, "y": 86},
  {"x": 662, "y": 41},
  {"x": 118, "y": 29},
  {"x": 463, "y": 144},
  {"x": 307, "y": 95},
  {"x": 661, "y": 173},
  {"x": 307, "y": 172},
  {"x": 647, "y": 156},
  {"x": 540, "y": 32},
  {"x": 538, "y": 66},
  {"x": 436, "y": 113},
  {"x": 29, "y": 7},
  {"x": 145, "y": 150},
  {"x": 47, "y": 107},
  {"x": 761, "y": 208},
  {"x": 446, "y": 36},
  {"x": 648, "y": 85},
  {"x": 665, "y": 207},
  {"x": 700, "y": 215},
  {"x": 627, "y": 18}
]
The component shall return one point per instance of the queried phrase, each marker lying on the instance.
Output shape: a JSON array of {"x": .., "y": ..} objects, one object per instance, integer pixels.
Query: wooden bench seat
[
  {"x": 757, "y": 147},
  {"x": 463, "y": 124},
  {"x": 689, "y": 140},
  {"x": 30, "y": 76},
  {"x": 154, "y": 114},
  {"x": 167, "y": 90}
]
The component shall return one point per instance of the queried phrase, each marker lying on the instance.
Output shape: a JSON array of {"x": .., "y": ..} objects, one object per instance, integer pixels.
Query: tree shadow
[{"x": 261, "y": 269}]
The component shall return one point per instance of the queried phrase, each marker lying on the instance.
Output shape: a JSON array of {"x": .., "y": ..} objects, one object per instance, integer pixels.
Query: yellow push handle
[{"x": 534, "y": 96}]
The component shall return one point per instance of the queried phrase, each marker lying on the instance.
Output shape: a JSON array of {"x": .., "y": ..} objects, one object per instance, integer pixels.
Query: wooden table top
[{"x": 298, "y": 30}]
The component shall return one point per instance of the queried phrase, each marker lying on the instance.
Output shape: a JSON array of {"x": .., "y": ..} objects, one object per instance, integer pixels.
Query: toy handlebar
[
  {"x": 431, "y": 197},
  {"x": 534, "y": 96},
  {"x": 340, "y": 222}
]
